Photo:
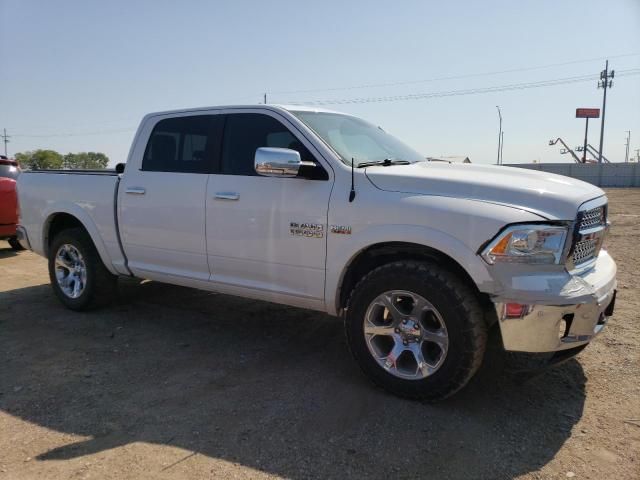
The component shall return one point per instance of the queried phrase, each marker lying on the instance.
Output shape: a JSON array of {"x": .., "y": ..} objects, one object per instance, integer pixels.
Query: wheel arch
[
  {"x": 378, "y": 254},
  {"x": 64, "y": 219}
]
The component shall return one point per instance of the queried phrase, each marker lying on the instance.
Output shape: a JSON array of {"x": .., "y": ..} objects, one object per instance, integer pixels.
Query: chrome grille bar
[
  {"x": 592, "y": 218},
  {"x": 591, "y": 228}
]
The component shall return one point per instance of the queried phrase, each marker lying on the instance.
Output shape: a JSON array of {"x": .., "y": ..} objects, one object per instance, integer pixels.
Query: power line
[
  {"x": 389, "y": 98},
  {"x": 471, "y": 91},
  {"x": 450, "y": 77},
  {"x": 76, "y": 134},
  {"x": 127, "y": 119},
  {"x": 97, "y": 124}
]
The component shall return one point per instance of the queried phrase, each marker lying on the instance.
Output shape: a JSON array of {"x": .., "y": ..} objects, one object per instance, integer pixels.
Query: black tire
[
  {"x": 15, "y": 244},
  {"x": 459, "y": 308},
  {"x": 100, "y": 284}
]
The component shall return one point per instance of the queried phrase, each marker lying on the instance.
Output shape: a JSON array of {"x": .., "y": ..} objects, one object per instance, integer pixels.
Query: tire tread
[
  {"x": 467, "y": 306},
  {"x": 102, "y": 288}
]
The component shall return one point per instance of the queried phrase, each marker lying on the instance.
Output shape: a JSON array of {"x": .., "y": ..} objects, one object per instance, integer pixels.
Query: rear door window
[{"x": 184, "y": 144}]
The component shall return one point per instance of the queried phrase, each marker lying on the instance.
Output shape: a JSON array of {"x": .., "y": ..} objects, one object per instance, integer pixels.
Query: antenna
[{"x": 352, "y": 193}]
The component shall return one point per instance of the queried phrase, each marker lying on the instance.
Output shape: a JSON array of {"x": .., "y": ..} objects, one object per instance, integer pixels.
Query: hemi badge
[{"x": 341, "y": 229}]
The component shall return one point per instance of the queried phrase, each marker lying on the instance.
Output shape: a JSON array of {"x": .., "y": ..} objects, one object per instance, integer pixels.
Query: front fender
[{"x": 342, "y": 251}]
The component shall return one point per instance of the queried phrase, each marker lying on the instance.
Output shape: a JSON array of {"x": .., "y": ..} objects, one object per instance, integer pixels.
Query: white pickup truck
[{"x": 325, "y": 211}]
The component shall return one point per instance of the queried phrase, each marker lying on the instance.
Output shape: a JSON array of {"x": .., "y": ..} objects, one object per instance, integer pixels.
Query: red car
[{"x": 9, "y": 171}]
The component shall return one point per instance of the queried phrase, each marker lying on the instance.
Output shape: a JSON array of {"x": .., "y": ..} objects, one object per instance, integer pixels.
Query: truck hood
[{"x": 551, "y": 196}]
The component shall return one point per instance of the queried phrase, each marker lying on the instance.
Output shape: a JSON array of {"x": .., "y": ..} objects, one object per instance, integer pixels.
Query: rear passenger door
[
  {"x": 256, "y": 234},
  {"x": 162, "y": 205}
]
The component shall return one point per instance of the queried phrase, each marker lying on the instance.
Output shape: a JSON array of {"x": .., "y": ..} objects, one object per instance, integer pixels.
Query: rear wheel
[
  {"x": 15, "y": 244},
  {"x": 78, "y": 277},
  {"x": 416, "y": 329}
]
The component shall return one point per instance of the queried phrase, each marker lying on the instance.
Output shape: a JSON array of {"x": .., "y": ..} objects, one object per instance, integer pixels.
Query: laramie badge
[{"x": 309, "y": 230}]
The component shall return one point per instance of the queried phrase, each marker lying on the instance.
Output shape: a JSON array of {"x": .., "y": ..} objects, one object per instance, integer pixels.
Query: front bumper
[{"x": 571, "y": 318}]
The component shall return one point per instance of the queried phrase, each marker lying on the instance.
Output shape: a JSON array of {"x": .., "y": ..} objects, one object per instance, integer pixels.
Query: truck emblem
[
  {"x": 309, "y": 230},
  {"x": 341, "y": 229}
]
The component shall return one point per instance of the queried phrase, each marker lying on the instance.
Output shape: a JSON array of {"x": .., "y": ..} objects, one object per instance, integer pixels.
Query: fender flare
[
  {"x": 87, "y": 222},
  {"x": 340, "y": 260}
]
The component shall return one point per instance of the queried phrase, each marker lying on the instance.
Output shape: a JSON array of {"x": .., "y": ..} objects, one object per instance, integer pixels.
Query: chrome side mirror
[{"x": 277, "y": 162}]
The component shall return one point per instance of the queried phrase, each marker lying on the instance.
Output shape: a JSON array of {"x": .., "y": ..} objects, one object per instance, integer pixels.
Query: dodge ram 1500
[{"x": 325, "y": 211}]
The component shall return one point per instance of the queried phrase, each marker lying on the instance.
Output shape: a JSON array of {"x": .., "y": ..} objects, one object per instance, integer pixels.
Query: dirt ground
[{"x": 172, "y": 383}]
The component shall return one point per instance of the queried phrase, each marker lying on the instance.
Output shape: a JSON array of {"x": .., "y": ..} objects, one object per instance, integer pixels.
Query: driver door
[{"x": 254, "y": 228}]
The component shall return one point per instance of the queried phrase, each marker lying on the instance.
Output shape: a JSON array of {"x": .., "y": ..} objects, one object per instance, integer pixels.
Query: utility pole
[
  {"x": 604, "y": 83},
  {"x": 5, "y": 139},
  {"x": 265, "y": 98},
  {"x": 626, "y": 155},
  {"x": 501, "y": 147},
  {"x": 499, "y": 135}
]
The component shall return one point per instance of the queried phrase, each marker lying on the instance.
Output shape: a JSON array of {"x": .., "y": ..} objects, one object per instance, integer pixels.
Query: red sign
[{"x": 587, "y": 113}]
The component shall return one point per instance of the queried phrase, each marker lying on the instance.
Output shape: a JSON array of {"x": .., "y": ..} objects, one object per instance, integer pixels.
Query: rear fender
[{"x": 87, "y": 222}]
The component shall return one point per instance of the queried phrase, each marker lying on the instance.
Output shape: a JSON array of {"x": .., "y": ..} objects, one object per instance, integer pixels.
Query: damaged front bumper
[{"x": 564, "y": 312}]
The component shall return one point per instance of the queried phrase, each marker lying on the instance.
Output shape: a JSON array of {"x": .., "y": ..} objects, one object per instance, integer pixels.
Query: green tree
[
  {"x": 85, "y": 160},
  {"x": 40, "y": 159}
]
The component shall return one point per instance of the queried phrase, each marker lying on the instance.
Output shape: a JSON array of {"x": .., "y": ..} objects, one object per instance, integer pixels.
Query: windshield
[{"x": 352, "y": 137}]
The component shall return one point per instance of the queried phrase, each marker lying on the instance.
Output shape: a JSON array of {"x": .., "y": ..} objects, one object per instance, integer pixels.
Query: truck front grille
[
  {"x": 584, "y": 251},
  {"x": 592, "y": 218},
  {"x": 592, "y": 226}
]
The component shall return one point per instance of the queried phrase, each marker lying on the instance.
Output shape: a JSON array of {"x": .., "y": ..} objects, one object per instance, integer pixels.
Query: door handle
[
  {"x": 227, "y": 196},
  {"x": 135, "y": 190}
]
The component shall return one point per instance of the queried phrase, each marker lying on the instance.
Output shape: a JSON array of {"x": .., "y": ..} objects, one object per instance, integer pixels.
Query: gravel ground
[{"x": 175, "y": 383}]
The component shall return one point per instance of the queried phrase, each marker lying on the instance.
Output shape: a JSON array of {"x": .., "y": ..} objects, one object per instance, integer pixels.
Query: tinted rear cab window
[{"x": 184, "y": 144}]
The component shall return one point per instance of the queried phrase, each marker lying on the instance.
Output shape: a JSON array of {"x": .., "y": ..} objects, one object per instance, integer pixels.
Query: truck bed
[{"x": 88, "y": 195}]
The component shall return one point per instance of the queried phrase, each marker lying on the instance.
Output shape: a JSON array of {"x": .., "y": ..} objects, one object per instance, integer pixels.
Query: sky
[{"x": 79, "y": 75}]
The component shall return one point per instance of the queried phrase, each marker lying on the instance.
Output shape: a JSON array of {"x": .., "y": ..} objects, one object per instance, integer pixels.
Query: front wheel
[
  {"x": 78, "y": 277},
  {"x": 416, "y": 329}
]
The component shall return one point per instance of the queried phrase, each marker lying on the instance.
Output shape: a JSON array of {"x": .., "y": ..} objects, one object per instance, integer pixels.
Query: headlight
[{"x": 539, "y": 244}]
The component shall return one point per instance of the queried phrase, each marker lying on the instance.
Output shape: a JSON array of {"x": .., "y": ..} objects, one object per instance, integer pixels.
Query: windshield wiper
[{"x": 385, "y": 163}]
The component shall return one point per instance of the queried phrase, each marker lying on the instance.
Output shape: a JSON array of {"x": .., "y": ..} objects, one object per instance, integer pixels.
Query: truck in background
[{"x": 9, "y": 171}]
